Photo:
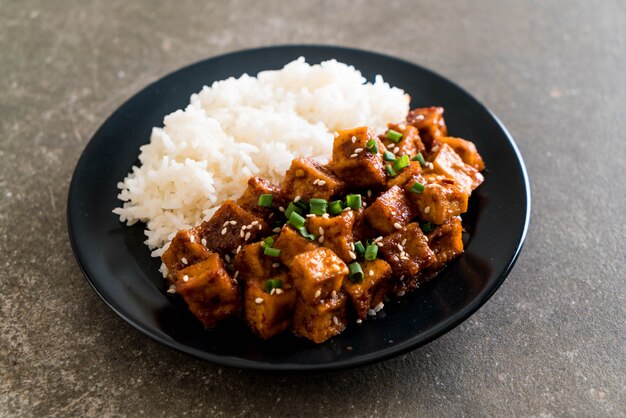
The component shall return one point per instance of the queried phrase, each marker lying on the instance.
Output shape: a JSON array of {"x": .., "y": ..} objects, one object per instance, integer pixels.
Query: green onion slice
[
  {"x": 427, "y": 227},
  {"x": 293, "y": 208},
  {"x": 359, "y": 249},
  {"x": 389, "y": 156},
  {"x": 272, "y": 284},
  {"x": 417, "y": 187},
  {"x": 353, "y": 201},
  {"x": 265, "y": 200},
  {"x": 318, "y": 206},
  {"x": 391, "y": 171},
  {"x": 371, "y": 252},
  {"x": 268, "y": 242},
  {"x": 272, "y": 252},
  {"x": 355, "y": 272},
  {"x": 372, "y": 146},
  {"x": 336, "y": 207},
  {"x": 296, "y": 220},
  {"x": 306, "y": 233},
  {"x": 419, "y": 157},
  {"x": 401, "y": 162},
  {"x": 394, "y": 136}
]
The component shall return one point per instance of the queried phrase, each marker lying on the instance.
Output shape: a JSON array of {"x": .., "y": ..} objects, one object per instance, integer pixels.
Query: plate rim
[{"x": 376, "y": 356}]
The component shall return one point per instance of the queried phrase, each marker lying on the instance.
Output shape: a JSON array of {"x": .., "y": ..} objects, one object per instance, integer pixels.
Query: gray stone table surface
[{"x": 551, "y": 342}]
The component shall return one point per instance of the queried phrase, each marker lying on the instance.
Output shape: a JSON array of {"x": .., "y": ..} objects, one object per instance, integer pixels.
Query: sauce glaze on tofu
[{"x": 333, "y": 242}]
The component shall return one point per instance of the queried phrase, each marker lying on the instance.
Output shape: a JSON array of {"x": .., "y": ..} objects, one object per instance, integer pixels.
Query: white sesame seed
[
  {"x": 227, "y": 258},
  {"x": 357, "y": 150},
  {"x": 393, "y": 213},
  {"x": 479, "y": 177},
  {"x": 325, "y": 216},
  {"x": 254, "y": 223},
  {"x": 353, "y": 139},
  {"x": 279, "y": 291},
  {"x": 354, "y": 155},
  {"x": 273, "y": 291},
  {"x": 276, "y": 230},
  {"x": 402, "y": 277},
  {"x": 352, "y": 255},
  {"x": 402, "y": 254},
  {"x": 427, "y": 209},
  {"x": 226, "y": 223},
  {"x": 321, "y": 239},
  {"x": 369, "y": 193},
  {"x": 247, "y": 237},
  {"x": 335, "y": 320},
  {"x": 315, "y": 181},
  {"x": 271, "y": 215},
  {"x": 258, "y": 301},
  {"x": 171, "y": 289},
  {"x": 233, "y": 222},
  {"x": 336, "y": 134},
  {"x": 401, "y": 293},
  {"x": 321, "y": 230},
  {"x": 192, "y": 239},
  {"x": 238, "y": 249},
  {"x": 260, "y": 227},
  {"x": 347, "y": 209},
  {"x": 359, "y": 321},
  {"x": 323, "y": 182},
  {"x": 203, "y": 241},
  {"x": 236, "y": 274},
  {"x": 310, "y": 215},
  {"x": 241, "y": 233},
  {"x": 402, "y": 127},
  {"x": 248, "y": 227},
  {"x": 397, "y": 225},
  {"x": 318, "y": 293},
  {"x": 275, "y": 265},
  {"x": 184, "y": 260},
  {"x": 380, "y": 244},
  {"x": 431, "y": 166},
  {"x": 364, "y": 204},
  {"x": 371, "y": 272},
  {"x": 380, "y": 238},
  {"x": 400, "y": 247},
  {"x": 396, "y": 150},
  {"x": 185, "y": 278},
  {"x": 297, "y": 199},
  {"x": 391, "y": 145},
  {"x": 403, "y": 242},
  {"x": 371, "y": 312},
  {"x": 224, "y": 231},
  {"x": 333, "y": 294},
  {"x": 280, "y": 208},
  {"x": 380, "y": 306},
  {"x": 352, "y": 246}
]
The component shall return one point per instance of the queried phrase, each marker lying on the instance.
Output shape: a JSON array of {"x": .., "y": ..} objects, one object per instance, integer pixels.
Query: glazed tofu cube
[
  {"x": 308, "y": 179},
  {"x": 317, "y": 274},
  {"x": 257, "y": 186},
  {"x": 390, "y": 212},
  {"x": 361, "y": 230},
  {"x": 269, "y": 314},
  {"x": 231, "y": 227},
  {"x": 211, "y": 293},
  {"x": 448, "y": 163},
  {"x": 253, "y": 264},
  {"x": 185, "y": 249},
  {"x": 414, "y": 169},
  {"x": 430, "y": 123},
  {"x": 407, "y": 251},
  {"x": 334, "y": 233},
  {"x": 466, "y": 150},
  {"x": 353, "y": 163},
  {"x": 410, "y": 143},
  {"x": 318, "y": 322},
  {"x": 291, "y": 243},
  {"x": 369, "y": 293},
  {"x": 441, "y": 199},
  {"x": 446, "y": 241}
]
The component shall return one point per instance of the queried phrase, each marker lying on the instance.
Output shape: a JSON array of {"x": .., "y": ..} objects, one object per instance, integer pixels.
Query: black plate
[{"x": 118, "y": 265}]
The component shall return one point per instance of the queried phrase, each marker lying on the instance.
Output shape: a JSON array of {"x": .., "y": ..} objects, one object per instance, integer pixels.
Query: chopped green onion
[
  {"x": 296, "y": 220},
  {"x": 355, "y": 272},
  {"x": 401, "y": 162},
  {"x": 419, "y": 157},
  {"x": 371, "y": 252},
  {"x": 293, "y": 208},
  {"x": 353, "y": 201},
  {"x": 359, "y": 249},
  {"x": 268, "y": 242},
  {"x": 372, "y": 146},
  {"x": 427, "y": 227},
  {"x": 389, "y": 156},
  {"x": 302, "y": 205},
  {"x": 265, "y": 200},
  {"x": 318, "y": 206},
  {"x": 272, "y": 252},
  {"x": 272, "y": 284},
  {"x": 417, "y": 187},
  {"x": 336, "y": 207},
  {"x": 391, "y": 171},
  {"x": 306, "y": 233},
  {"x": 395, "y": 136}
]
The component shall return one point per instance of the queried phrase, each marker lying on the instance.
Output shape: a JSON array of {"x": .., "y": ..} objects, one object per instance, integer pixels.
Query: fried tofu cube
[
  {"x": 410, "y": 143},
  {"x": 407, "y": 251},
  {"x": 446, "y": 241},
  {"x": 361, "y": 230},
  {"x": 390, "y": 211},
  {"x": 308, "y": 179},
  {"x": 185, "y": 249},
  {"x": 253, "y": 264},
  {"x": 321, "y": 321},
  {"x": 353, "y": 163},
  {"x": 430, "y": 123},
  {"x": 231, "y": 227},
  {"x": 291, "y": 243},
  {"x": 317, "y": 274},
  {"x": 448, "y": 163},
  {"x": 441, "y": 199},
  {"x": 257, "y": 186},
  {"x": 269, "y": 314},
  {"x": 414, "y": 169},
  {"x": 210, "y": 292},
  {"x": 369, "y": 293},
  {"x": 466, "y": 150},
  {"x": 334, "y": 233}
]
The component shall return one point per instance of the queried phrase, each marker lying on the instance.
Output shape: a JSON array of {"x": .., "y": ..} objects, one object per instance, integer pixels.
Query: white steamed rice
[{"x": 241, "y": 127}]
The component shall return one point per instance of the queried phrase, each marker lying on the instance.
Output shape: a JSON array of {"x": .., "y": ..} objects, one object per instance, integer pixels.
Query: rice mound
[{"x": 237, "y": 128}]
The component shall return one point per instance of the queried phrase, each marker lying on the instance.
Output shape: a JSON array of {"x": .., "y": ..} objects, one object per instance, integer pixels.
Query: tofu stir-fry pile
[{"x": 330, "y": 243}]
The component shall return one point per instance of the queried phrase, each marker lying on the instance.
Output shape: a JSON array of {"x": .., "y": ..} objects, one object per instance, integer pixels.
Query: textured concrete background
[{"x": 550, "y": 342}]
